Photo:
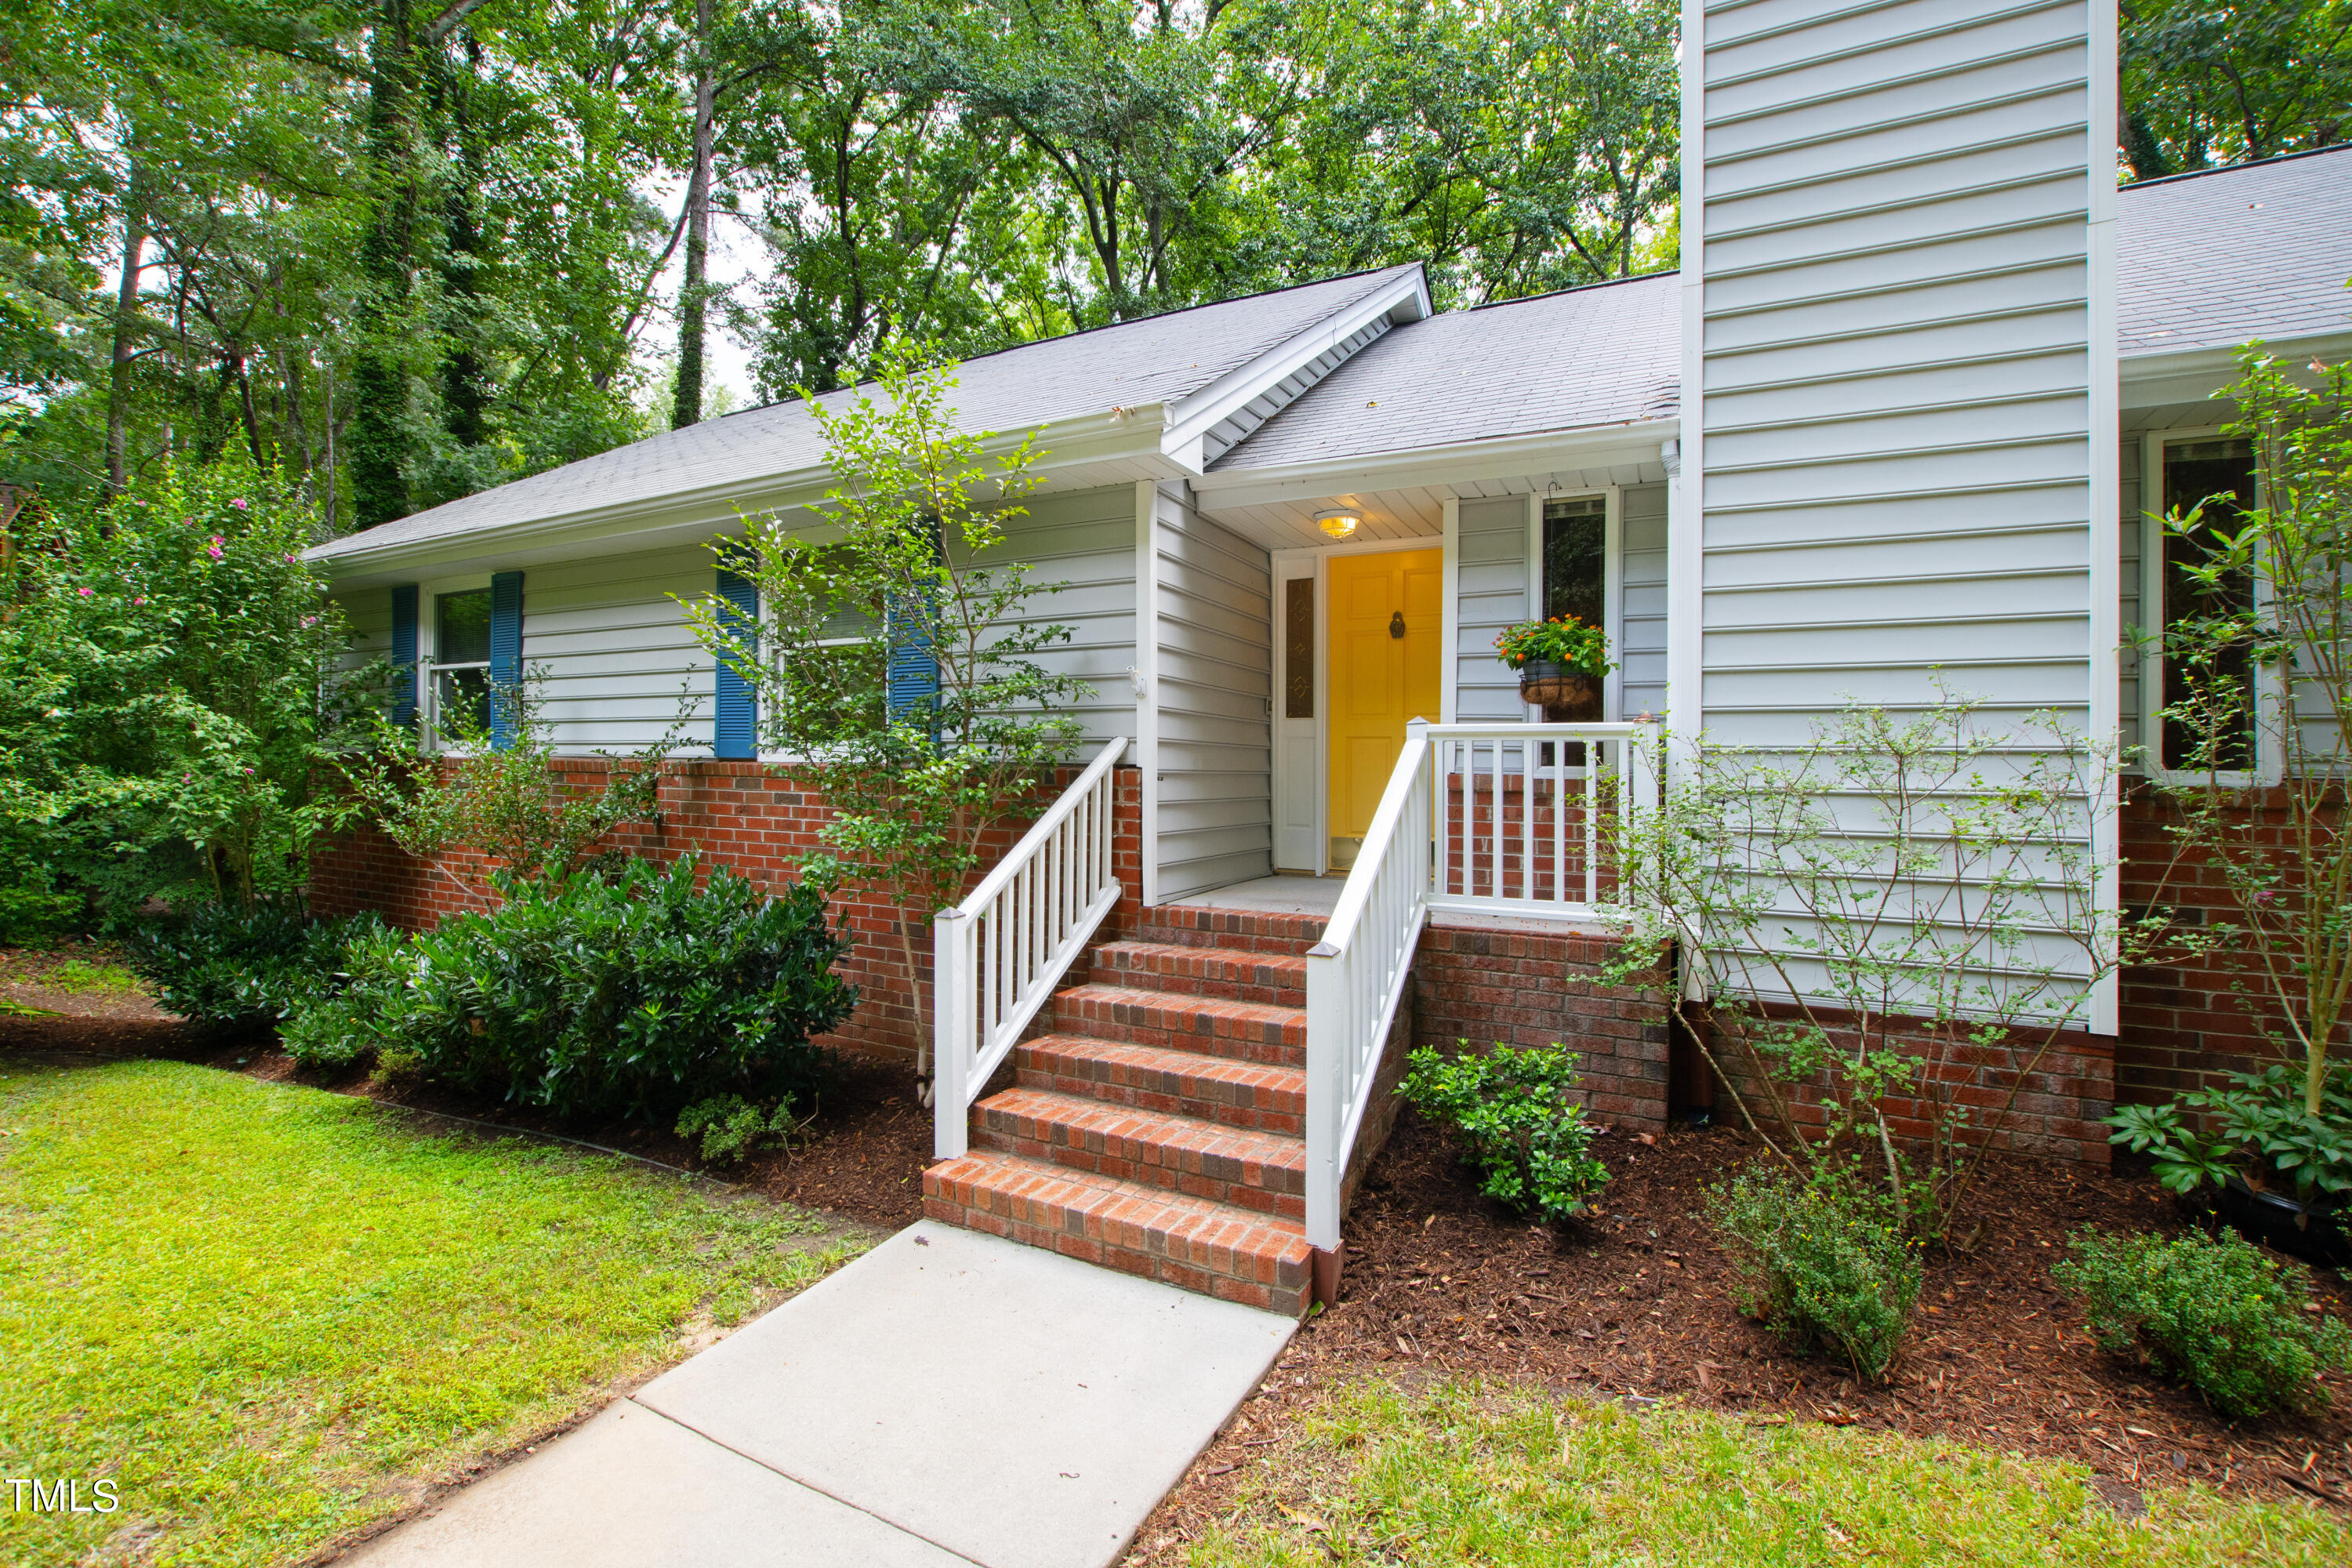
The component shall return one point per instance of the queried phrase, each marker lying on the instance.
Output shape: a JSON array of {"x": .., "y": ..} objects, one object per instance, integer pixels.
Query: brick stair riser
[
  {"x": 1289, "y": 936},
  {"x": 1275, "y": 980},
  {"x": 1276, "y": 1101},
  {"x": 1177, "y": 1027},
  {"x": 1259, "y": 1186},
  {"x": 1232, "y": 1260}
]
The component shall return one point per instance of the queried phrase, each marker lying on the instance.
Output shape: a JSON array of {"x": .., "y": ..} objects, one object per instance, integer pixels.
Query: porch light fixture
[{"x": 1338, "y": 521}]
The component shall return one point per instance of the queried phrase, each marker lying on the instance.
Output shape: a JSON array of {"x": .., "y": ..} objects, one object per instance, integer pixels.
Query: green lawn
[
  {"x": 269, "y": 1313},
  {"x": 1465, "y": 1474}
]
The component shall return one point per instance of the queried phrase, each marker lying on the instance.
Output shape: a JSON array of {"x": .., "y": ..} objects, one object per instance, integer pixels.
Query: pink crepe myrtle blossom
[
  {"x": 83, "y": 591},
  {"x": 238, "y": 503}
]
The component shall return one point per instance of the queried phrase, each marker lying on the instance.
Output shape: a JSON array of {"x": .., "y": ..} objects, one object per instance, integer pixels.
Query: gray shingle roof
[
  {"x": 1157, "y": 360},
  {"x": 2212, "y": 260},
  {"x": 1599, "y": 356}
]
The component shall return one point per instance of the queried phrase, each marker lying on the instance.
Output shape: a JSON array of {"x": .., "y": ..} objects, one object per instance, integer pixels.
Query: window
[
  {"x": 461, "y": 663},
  {"x": 1298, "y": 649},
  {"x": 1576, "y": 577},
  {"x": 2220, "y": 475}
]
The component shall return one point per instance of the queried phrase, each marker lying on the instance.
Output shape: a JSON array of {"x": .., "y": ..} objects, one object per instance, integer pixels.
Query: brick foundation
[
  {"x": 739, "y": 815},
  {"x": 2059, "y": 1097},
  {"x": 2188, "y": 1022},
  {"x": 1532, "y": 987}
]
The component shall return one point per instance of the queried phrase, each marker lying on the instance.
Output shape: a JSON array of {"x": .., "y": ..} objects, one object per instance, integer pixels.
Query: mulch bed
[{"x": 1635, "y": 1304}]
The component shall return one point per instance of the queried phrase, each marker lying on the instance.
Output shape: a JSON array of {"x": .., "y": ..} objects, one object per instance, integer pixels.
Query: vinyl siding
[
  {"x": 613, "y": 660},
  {"x": 1215, "y": 690},
  {"x": 1496, "y": 579},
  {"x": 1893, "y": 417},
  {"x": 368, "y": 612},
  {"x": 1895, "y": 410},
  {"x": 1085, "y": 541},
  {"x": 1642, "y": 640}
]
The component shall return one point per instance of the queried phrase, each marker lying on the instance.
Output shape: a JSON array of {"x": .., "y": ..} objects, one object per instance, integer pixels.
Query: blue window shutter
[
  {"x": 505, "y": 655},
  {"x": 914, "y": 669},
  {"x": 733, "y": 724},
  {"x": 404, "y": 652}
]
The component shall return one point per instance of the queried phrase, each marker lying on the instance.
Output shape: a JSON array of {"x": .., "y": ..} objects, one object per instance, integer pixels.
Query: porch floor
[{"x": 1272, "y": 896}]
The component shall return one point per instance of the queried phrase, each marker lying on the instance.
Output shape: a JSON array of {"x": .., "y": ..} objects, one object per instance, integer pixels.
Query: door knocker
[{"x": 1396, "y": 624}]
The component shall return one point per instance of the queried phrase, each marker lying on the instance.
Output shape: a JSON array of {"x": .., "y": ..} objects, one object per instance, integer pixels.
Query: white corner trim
[
  {"x": 2106, "y": 487},
  {"x": 1686, "y": 480},
  {"x": 1147, "y": 677},
  {"x": 1613, "y": 602},
  {"x": 1449, "y": 691}
]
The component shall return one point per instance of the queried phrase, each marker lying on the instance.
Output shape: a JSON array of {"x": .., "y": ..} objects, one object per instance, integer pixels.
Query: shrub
[
  {"x": 627, "y": 992},
  {"x": 29, "y": 915},
  {"x": 2215, "y": 1314},
  {"x": 1823, "y": 1264},
  {"x": 1511, "y": 1110},
  {"x": 733, "y": 1128},
  {"x": 244, "y": 965}
]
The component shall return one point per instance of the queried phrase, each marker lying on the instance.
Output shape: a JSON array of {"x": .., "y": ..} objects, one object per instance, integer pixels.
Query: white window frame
[
  {"x": 2153, "y": 615},
  {"x": 1613, "y": 586},
  {"x": 428, "y": 637}
]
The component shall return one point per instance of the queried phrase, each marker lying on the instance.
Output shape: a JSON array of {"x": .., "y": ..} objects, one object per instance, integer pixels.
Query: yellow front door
[{"x": 1384, "y": 670}]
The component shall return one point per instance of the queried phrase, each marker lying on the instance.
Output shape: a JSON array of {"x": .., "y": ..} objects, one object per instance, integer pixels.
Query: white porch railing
[
  {"x": 999, "y": 954},
  {"x": 1488, "y": 818}
]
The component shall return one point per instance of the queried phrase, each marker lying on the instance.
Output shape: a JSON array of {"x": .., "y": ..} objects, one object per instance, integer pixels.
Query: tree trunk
[
  {"x": 693, "y": 293},
  {"x": 126, "y": 311},
  {"x": 465, "y": 377},
  {"x": 380, "y": 426}
]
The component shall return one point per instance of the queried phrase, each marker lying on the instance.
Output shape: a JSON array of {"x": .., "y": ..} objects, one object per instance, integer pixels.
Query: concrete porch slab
[
  {"x": 1272, "y": 896},
  {"x": 633, "y": 1489},
  {"x": 1022, "y": 1409}
]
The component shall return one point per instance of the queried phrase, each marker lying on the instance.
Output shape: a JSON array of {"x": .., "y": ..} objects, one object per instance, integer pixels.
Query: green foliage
[
  {"x": 1823, "y": 1264},
  {"x": 1890, "y": 916},
  {"x": 627, "y": 992},
  {"x": 919, "y": 559},
  {"x": 462, "y": 789},
  {"x": 245, "y": 966},
  {"x": 2259, "y": 1129},
  {"x": 2263, "y": 662},
  {"x": 83, "y": 977},
  {"x": 272, "y": 1315},
  {"x": 2219, "y": 81},
  {"x": 166, "y": 692},
  {"x": 733, "y": 1128},
  {"x": 1563, "y": 639},
  {"x": 1510, "y": 1108},
  {"x": 2217, "y": 1314},
  {"x": 29, "y": 915}
]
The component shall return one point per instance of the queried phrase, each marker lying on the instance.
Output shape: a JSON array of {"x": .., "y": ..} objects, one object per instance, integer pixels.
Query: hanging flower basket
[
  {"x": 1548, "y": 683},
  {"x": 1561, "y": 661}
]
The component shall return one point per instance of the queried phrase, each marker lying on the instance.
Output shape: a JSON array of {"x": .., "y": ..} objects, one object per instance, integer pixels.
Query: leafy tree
[
  {"x": 167, "y": 692},
  {"x": 916, "y": 565},
  {"x": 2220, "y": 81}
]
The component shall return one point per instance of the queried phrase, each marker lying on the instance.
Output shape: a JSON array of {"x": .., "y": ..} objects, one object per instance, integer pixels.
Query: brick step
[
  {"x": 1209, "y": 1249},
  {"x": 1247, "y": 1031},
  {"x": 1188, "y": 925},
  {"x": 1254, "y": 1095},
  {"x": 1229, "y": 974},
  {"x": 1261, "y": 1172}
]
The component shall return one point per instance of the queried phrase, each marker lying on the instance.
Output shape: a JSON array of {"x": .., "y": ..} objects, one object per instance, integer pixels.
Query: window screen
[
  {"x": 2220, "y": 475},
  {"x": 461, "y": 628},
  {"x": 461, "y": 635}
]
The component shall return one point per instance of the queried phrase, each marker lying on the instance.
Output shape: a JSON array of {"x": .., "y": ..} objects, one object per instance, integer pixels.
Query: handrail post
[
  {"x": 1324, "y": 1022},
  {"x": 951, "y": 1006}
]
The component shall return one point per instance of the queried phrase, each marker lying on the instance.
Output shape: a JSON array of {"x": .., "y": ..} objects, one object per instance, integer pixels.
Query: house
[{"x": 1899, "y": 414}]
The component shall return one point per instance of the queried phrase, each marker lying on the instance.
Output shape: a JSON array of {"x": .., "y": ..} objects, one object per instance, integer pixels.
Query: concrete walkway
[{"x": 947, "y": 1399}]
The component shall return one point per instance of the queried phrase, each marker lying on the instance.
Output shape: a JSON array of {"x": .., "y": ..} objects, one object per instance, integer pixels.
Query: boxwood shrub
[
  {"x": 1510, "y": 1108},
  {"x": 621, "y": 991},
  {"x": 1822, "y": 1264}
]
